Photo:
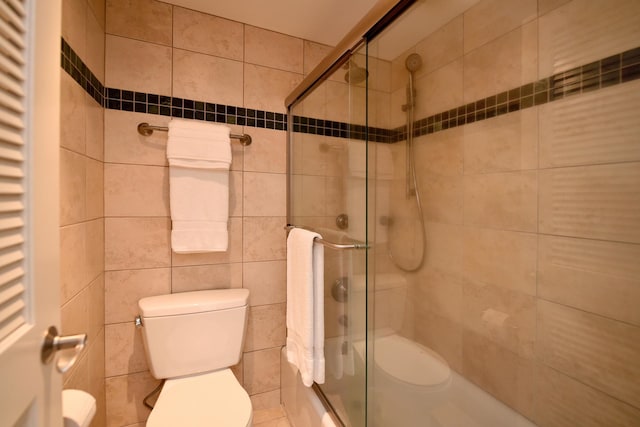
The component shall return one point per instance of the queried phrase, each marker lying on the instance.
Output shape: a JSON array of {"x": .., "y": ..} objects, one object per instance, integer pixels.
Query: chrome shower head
[
  {"x": 413, "y": 62},
  {"x": 355, "y": 74}
]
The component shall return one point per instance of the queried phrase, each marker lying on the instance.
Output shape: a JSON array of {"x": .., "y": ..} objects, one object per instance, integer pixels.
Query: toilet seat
[{"x": 209, "y": 399}]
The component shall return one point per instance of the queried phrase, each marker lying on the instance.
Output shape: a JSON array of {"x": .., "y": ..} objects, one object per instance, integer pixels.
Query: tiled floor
[{"x": 270, "y": 417}]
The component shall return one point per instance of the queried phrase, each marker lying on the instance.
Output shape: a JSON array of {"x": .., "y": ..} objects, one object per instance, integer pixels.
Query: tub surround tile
[
  {"x": 506, "y": 201},
  {"x": 505, "y": 63},
  {"x": 132, "y": 63},
  {"x": 78, "y": 376},
  {"x": 595, "y": 276},
  {"x": 500, "y": 372},
  {"x": 505, "y": 317},
  {"x": 94, "y": 129},
  {"x": 502, "y": 144},
  {"x": 73, "y": 187},
  {"x": 490, "y": 19},
  {"x": 274, "y": 50},
  {"x": 75, "y": 313},
  {"x": 122, "y": 145},
  {"x": 73, "y": 266},
  {"x": 263, "y": 239},
  {"x": 266, "y": 281},
  {"x": 94, "y": 197},
  {"x": 267, "y": 153},
  {"x": 199, "y": 76},
  {"x": 127, "y": 408},
  {"x": 99, "y": 9},
  {"x": 437, "y": 291},
  {"x": 204, "y": 277},
  {"x": 72, "y": 114},
  {"x": 265, "y": 88},
  {"x": 146, "y": 20},
  {"x": 262, "y": 370},
  {"x": 211, "y": 35},
  {"x": 442, "y": 335},
  {"x": 125, "y": 352},
  {"x": 74, "y": 24},
  {"x": 446, "y": 196},
  {"x": 95, "y": 44},
  {"x": 438, "y": 49},
  {"x": 97, "y": 378},
  {"x": 602, "y": 353},
  {"x": 442, "y": 154},
  {"x": 137, "y": 243},
  {"x": 124, "y": 288},
  {"x": 593, "y": 202},
  {"x": 573, "y": 135},
  {"x": 264, "y": 194},
  {"x": 95, "y": 323},
  {"x": 132, "y": 190},
  {"x": 582, "y": 31},
  {"x": 443, "y": 88},
  {"x": 313, "y": 54},
  {"x": 266, "y": 327},
  {"x": 501, "y": 258},
  {"x": 563, "y": 401}
]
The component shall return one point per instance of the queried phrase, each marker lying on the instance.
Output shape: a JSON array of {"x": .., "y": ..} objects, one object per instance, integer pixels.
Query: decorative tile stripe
[
  {"x": 140, "y": 102},
  {"x": 616, "y": 69},
  {"x": 339, "y": 129},
  {"x": 79, "y": 71}
]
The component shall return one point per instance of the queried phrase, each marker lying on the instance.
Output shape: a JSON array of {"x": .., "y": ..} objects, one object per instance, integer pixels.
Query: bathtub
[
  {"x": 302, "y": 404},
  {"x": 449, "y": 400}
]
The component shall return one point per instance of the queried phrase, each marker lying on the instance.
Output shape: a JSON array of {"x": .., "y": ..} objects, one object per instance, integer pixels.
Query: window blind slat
[
  {"x": 11, "y": 239},
  {"x": 12, "y": 291},
  {"x": 7, "y": 66},
  {"x": 11, "y": 221},
  {"x": 12, "y": 137},
  {"x": 13, "y": 204},
  {"x": 9, "y": 14},
  {"x": 13, "y": 294},
  {"x": 11, "y": 34},
  {"x": 9, "y": 101}
]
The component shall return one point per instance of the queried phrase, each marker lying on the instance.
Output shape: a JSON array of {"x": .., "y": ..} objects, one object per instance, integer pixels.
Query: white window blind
[{"x": 12, "y": 183}]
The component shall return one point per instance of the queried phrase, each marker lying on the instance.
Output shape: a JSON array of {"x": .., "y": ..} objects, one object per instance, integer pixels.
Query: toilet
[{"x": 191, "y": 340}]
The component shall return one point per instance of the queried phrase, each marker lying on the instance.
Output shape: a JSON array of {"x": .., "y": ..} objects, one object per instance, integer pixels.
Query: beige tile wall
[
  {"x": 155, "y": 47},
  {"x": 81, "y": 202},
  {"x": 530, "y": 284}
]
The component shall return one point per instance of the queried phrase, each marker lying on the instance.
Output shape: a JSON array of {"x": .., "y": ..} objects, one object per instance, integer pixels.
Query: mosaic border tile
[
  {"x": 78, "y": 70},
  {"x": 613, "y": 70},
  {"x": 616, "y": 69}
]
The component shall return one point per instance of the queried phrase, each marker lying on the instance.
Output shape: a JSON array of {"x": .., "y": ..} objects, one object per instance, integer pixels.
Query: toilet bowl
[{"x": 191, "y": 340}]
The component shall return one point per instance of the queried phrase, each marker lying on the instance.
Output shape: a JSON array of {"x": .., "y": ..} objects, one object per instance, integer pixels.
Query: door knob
[{"x": 54, "y": 342}]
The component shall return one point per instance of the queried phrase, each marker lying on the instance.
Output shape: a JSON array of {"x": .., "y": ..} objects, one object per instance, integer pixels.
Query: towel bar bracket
[{"x": 145, "y": 129}]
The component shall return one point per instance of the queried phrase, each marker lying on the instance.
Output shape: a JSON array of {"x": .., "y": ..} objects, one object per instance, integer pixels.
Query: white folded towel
[
  {"x": 199, "y": 155},
  {"x": 305, "y": 305}
]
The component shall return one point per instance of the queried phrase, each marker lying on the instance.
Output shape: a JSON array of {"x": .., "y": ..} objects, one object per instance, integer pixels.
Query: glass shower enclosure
[{"x": 484, "y": 158}]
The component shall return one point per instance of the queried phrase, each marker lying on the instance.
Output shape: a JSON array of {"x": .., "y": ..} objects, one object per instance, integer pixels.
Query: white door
[{"x": 30, "y": 391}]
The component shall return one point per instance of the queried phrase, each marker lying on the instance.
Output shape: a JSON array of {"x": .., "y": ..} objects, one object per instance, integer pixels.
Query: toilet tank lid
[{"x": 192, "y": 302}]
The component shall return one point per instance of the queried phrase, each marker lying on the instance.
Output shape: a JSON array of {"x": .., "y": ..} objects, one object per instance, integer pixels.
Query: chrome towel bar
[
  {"x": 328, "y": 244},
  {"x": 146, "y": 129}
]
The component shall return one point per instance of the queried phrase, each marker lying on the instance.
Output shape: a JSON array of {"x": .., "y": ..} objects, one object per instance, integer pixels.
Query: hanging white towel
[
  {"x": 199, "y": 155},
  {"x": 305, "y": 305}
]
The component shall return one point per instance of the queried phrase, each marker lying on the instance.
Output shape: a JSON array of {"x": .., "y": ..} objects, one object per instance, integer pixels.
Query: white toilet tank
[{"x": 192, "y": 332}]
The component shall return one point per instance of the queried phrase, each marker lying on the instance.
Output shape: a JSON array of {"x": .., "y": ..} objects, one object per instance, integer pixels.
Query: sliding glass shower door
[{"x": 328, "y": 194}]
